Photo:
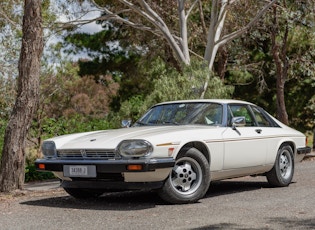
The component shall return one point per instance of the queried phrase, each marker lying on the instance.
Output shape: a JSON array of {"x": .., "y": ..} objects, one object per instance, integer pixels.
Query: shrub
[
  {"x": 32, "y": 175},
  {"x": 3, "y": 124}
]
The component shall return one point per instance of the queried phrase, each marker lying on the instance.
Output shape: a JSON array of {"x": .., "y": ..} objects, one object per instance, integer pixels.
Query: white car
[{"x": 177, "y": 148}]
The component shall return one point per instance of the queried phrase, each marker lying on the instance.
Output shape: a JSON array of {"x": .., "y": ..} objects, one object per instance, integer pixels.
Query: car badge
[{"x": 83, "y": 153}]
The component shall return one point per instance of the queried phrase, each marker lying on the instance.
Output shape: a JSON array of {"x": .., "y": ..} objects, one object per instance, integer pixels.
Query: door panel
[{"x": 244, "y": 147}]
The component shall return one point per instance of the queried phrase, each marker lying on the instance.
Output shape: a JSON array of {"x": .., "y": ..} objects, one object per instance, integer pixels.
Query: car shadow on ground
[
  {"x": 225, "y": 187},
  {"x": 138, "y": 200},
  {"x": 128, "y": 200}
]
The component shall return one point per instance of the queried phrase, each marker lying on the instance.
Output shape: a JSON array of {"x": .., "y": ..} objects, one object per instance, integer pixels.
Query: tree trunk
[
  {"x": 222, "y": 62},
  {"x": 282, "y": 65},
  {"x": 183, "y": 30},
  {"x": 13, "y": 154}
]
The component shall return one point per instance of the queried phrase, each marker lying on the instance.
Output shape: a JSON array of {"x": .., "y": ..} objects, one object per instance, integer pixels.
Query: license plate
[{"x": 79, "y": 170}]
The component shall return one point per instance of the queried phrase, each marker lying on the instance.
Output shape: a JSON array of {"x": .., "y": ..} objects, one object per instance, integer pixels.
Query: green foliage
[
  {"x": 241, "y": 75},
  {"x": 3, "y": 125},
  {"x": 169, "y": 84},
  {"x": 253, "y": 69},
  {"x": 32, "y": 175},
  {"x": 107, "y": 56},
  {"x": 7, "y": 96},
  {"x": 133, "y": 108},
  {"x": 55, "y": 127}
]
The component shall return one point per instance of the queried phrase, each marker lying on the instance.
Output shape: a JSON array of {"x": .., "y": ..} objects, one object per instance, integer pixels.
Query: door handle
[{"x": 258, "y": 131}]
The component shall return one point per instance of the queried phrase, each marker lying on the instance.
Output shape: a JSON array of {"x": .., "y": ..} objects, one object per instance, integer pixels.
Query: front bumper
[{"x": 112, "y": 171}]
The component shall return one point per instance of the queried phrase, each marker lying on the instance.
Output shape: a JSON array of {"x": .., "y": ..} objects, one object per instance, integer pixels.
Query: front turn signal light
[
  {"x": 41, "y": 166},
  {"x": 134, "y": 167}
]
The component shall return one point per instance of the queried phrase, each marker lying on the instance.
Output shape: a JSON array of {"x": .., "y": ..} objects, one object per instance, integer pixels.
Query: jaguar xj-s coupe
[{"x": 177, "y": 148}]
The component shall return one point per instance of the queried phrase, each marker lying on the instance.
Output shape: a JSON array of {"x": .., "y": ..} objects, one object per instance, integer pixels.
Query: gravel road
[{"x": 243, "y": 203}]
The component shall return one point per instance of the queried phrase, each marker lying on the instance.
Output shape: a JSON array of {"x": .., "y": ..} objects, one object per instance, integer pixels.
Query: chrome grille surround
[{"x": 104, "y": 154}]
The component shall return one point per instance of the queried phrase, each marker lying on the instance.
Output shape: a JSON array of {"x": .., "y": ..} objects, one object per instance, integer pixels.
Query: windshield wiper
[
  {"x": 170, "y": 123},
  {"x": 140, "y": 123}
]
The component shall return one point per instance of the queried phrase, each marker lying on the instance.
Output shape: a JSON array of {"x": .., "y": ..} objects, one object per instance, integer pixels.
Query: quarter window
[{"x": 260, "y": 118}]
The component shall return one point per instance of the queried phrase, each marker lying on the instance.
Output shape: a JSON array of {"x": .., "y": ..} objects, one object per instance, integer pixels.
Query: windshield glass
[{"x": 202, "y": 113}]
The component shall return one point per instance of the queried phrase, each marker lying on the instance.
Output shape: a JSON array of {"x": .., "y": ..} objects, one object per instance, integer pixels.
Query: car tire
[
  {"x": 282, "y": 172},
  {"x": 80, "y": 193},
  {"x": 189, "y": 179}
]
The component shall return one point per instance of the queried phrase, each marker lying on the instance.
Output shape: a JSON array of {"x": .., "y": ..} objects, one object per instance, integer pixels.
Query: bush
[
  {"x": 3, "y": 125},
  {"x": 51, "y": 127},
  {"x": 32, "y": 175}
]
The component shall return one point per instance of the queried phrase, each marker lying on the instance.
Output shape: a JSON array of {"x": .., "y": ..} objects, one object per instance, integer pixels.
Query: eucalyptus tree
[
  {"x": 289, "y": 19},
  {"x": 176, "y": 27},
  {"x": 10, "y": 36},
  {"x": 13, "y": 154},
  {"x": 274, "y": 65},
  {"x": 10, "y": 40},
  {"x": 11, "y": 14}
]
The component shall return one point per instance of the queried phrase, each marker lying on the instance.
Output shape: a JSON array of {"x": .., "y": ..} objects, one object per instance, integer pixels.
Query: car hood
[{"x": 109, "y": 139}]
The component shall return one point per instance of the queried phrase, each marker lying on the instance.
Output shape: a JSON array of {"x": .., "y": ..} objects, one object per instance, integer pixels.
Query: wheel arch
[
  {"x": 200, "y": 146},
  {"x": 291, "y": 144},
  {"x": 283, "y": 169}
]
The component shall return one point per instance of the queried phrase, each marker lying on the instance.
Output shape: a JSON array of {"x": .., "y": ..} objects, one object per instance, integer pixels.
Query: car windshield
[{"x": 202, "y": 113}]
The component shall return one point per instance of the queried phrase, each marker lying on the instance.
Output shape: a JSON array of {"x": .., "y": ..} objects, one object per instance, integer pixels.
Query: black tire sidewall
[
  {"x": 171, "y": 195},
  {"x": 281, "y": 179},
  {"x": 274, "y": 176}
]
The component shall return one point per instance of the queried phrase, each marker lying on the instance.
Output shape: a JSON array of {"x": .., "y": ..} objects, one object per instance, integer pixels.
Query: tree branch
[
  {"x": 13, "y": 23},
  {"x": 202, "y": 19},
  {"x": 239, "y": 32},
  {"x": 191, "y": 8}
]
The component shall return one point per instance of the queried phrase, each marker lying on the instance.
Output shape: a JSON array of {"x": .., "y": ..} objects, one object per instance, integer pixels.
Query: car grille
[{"x": 87, "y": 154}]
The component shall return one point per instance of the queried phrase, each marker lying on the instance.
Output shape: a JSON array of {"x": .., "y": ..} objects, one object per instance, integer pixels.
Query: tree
[
  {"x": 10, "y": 36},
  {"x": 277, "y": 60},
  {"x": 178, "y": 40},
  {"x": 279, "y": 53},
  {"x": 179, "y": 44},
  {"x": 288, "y": 19},
  {"x": 13, "y": 154}
]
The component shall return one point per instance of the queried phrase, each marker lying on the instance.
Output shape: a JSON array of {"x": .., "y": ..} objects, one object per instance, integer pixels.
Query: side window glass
[
  {"x": 242, "y": 111},
  {"x": 260, "y": 118},
  {"x": 213, "y": 115}
]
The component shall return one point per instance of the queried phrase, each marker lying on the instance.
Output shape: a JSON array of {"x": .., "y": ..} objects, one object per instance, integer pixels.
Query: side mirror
[
  {"x": 125, "y": 123},
  {"x": 238, "y": 122}
]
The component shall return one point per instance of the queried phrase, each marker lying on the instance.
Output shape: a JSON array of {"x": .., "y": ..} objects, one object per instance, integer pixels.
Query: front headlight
[
  {"x": 135, "y": 148},
  {"x": 49, "y": 149}
]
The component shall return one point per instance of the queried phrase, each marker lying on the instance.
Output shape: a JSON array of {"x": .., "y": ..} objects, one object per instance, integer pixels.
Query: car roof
[{"x": 220, "y": 101}]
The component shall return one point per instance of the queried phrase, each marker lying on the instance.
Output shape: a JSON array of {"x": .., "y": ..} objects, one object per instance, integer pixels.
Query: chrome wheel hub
[{"x": 186, "y": 176}]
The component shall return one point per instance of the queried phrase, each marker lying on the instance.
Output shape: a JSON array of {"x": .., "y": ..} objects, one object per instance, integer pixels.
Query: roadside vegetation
[{"x": 116, "y": 82}]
